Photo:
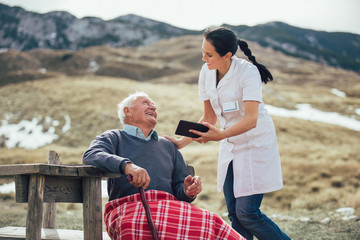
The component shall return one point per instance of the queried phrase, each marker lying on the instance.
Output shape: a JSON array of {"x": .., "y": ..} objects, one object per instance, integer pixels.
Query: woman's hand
[
  {"x": 179, "y": 142},
  {"x": 213, "y": 134},
  {"x": 247, "y": 123}
]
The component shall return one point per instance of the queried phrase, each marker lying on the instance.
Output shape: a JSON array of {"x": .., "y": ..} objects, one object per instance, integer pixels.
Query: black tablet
[{"x": 184, "y": 127}]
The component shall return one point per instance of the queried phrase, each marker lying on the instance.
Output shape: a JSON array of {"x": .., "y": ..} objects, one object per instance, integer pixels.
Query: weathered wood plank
[
  {"x": 46, "y": 169},
  {"x": 56, "y": 189},
  {"x": 63, "y": 189},
  {"x": 92, "y": 171},
  {"x": 10, "y": 233},
  {"x": 92, "y": 208},
  {"x": 53, "y": 158},
  {"x": 35, "y": 207},
  {"x": 22, "y": 188},
  {"x": 55, "y": 170},
  {"x": 49, "y": 219}
]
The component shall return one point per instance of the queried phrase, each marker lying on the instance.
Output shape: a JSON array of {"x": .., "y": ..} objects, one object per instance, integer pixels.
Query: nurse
[{"x": 249, "y": 162}]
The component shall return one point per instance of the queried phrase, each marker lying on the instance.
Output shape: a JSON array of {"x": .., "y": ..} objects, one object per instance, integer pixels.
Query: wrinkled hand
[
  {"x": 192, "y": 185},
  {"x": 213, "y": 134},
  {"x": 140, "y": 177}
]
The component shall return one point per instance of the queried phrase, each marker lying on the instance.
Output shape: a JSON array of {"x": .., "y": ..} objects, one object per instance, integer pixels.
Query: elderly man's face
[{"x": 142, "y": 112}]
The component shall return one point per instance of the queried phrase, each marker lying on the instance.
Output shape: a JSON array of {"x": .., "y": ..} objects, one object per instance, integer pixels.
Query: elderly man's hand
[
  {"x": 192, "y": 185},
  {"x": 140, "y": 177}
]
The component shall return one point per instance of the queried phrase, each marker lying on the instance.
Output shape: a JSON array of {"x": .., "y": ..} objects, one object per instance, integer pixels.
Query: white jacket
[{"x": 255, "y": 155}]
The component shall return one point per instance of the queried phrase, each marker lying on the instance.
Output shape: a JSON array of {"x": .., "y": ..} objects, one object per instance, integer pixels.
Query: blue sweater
[{"x": 161, "y": 159}]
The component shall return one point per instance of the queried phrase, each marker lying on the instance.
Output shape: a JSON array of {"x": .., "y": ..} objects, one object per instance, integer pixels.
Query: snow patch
[
  {"x": 27, "y": 134},
  {"x": 93, "y": 66},
  {"x": 42, "y": 70},
  {"x": 31, "y": 134},
  {"x": 7, "y": 188},
  {"x": 338, "y": 93},
  {"x": 306, "y": 112},
  {"x": 67, "y": 125}
]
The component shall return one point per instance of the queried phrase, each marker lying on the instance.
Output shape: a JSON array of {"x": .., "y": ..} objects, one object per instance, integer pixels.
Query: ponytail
[{"x": 264, "y": 72}]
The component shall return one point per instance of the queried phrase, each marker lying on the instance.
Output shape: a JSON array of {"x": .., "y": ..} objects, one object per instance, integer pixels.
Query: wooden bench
[{"x": 37, "y": 184}]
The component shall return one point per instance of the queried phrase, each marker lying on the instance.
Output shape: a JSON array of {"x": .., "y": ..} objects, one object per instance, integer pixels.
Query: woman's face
[{"x": 211, "y": 57}]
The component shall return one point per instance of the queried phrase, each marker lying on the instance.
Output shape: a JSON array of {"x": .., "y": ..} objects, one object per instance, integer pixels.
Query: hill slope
[
  {"x": 24, "y": 30},
  {"x": 180, "y": 62},
  {"x": 319, "y": 161}
]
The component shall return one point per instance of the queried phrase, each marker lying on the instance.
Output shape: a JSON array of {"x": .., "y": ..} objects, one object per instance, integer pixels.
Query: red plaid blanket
[{"x": 125, "y": 218}]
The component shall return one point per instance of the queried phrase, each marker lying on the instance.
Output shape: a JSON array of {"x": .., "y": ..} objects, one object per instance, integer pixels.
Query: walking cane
[{"x": 147, "y": 210}]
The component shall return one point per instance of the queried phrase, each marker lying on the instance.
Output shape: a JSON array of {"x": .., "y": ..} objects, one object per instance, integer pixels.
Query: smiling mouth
[{"x": 151, "y": 114}]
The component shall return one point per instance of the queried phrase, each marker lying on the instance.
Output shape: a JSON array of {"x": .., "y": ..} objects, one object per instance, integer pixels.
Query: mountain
[
  {"x": 23, "y": 30},
  {"x": 332, "y": 48}
]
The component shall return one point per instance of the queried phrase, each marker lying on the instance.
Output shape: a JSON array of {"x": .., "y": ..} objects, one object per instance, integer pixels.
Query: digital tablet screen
[{"x": 184, "y": 127}]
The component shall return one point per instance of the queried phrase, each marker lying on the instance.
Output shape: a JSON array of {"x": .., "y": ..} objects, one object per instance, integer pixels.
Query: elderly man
[{"x": 157, "y": 166}]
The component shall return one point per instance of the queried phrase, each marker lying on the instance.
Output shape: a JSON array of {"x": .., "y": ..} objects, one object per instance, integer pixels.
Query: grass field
[{"x": 320, "y": 162}]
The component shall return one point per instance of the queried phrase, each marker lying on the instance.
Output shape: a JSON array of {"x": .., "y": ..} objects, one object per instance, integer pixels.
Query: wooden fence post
[
  {"x": 35, "y": 207},
  {"x": 49, "y": 220}
]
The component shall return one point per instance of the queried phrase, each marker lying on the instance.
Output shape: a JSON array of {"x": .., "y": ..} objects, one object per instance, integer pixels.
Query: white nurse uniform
[{"x": 255, "y": 155}]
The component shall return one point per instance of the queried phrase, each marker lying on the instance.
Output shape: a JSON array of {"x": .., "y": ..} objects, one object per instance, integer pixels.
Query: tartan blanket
[{"x": 125, "y": 218}]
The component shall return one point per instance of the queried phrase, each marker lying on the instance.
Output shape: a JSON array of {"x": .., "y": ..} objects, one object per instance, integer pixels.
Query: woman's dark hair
[{"x": 224, "y": 40}]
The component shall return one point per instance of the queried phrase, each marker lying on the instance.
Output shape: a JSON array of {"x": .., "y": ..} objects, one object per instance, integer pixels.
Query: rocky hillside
[
  {"x": 331, "y": 48},
  {"x": 23, "y": 30},
  {"x": 179, "y": 63}
]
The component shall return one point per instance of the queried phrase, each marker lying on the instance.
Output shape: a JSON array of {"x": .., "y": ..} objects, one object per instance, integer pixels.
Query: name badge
[{"x": 230, "y": 106}]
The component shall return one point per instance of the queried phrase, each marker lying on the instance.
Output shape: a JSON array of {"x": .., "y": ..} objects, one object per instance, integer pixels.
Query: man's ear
[{"x": 127, "y": 112}]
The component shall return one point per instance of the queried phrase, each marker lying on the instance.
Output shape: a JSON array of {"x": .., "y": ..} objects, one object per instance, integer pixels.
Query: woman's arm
[
  {"x": 209, "y": 114},
  {"x": 244, "y": 125}
]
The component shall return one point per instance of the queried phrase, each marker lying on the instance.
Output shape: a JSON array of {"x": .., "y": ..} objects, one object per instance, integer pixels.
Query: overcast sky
[{"x": 326, "y": 15}]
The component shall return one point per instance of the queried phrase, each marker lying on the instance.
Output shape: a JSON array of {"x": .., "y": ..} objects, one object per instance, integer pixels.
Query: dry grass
[{"x": 319, "y": 161}]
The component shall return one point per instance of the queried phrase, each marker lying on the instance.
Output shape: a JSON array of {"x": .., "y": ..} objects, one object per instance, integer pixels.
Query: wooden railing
[{"x": 42, "y": 185}]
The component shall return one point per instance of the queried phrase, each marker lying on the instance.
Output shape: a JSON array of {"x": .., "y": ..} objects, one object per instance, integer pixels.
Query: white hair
[{"x": 128, "y": 102}]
